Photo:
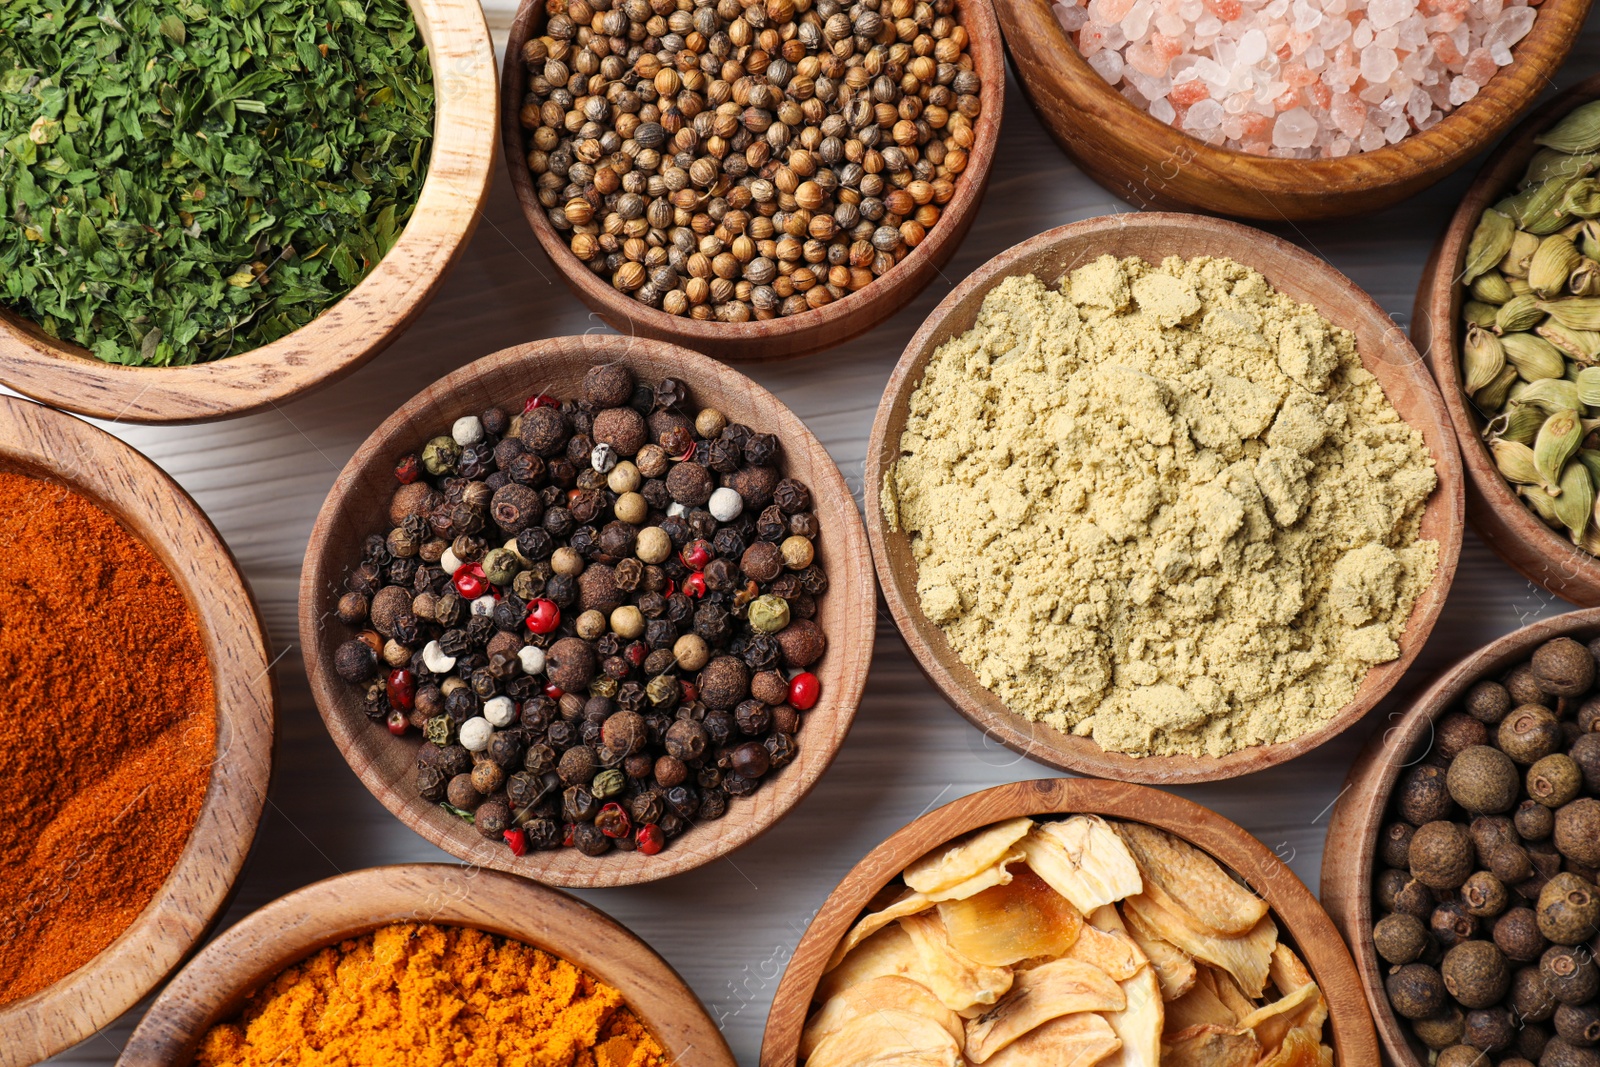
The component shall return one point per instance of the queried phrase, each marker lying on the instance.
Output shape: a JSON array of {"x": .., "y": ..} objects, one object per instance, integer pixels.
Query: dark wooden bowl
[
  {"x": 42, "y": 443},
  {"x": 1303, "y": 277},
  {"x": 358, "y": 503},
  {"x": 793, "y": 335},
  {"x": 1347, "y": 861},
  {"x": 249, "y": 954},
  {"x": 1300, "y": 916},
  {"x": 1533, "y": 549},
  {"x": 347, "y": 334},
  {"x": 1151, "y": 164}
]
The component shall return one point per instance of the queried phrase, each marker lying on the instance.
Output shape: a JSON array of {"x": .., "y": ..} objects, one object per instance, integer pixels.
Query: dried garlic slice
[
  {"x": 882, "y": 1038},
  {"x": 1059, "y": 987},
  {"x": 1084, "y": 860},
  {"x": 965, "y": 857},
  {"x": 1078, "y": 1040},
  {"x": 1184, "y": 879},
  {"x": 891, "y": 992}
]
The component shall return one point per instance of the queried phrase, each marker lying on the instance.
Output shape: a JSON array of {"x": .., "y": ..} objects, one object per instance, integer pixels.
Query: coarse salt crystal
[
  {"x": 1136, "y": 23},
  {"x": 1252, "y": 47},
  {"x": 1362, "y": 36},
  {"x": 1386, "y": 13},
  {"x": 1462, "y": 89},
  {"x": 1071, "y": 16},
  {"x": 1171, "y": 25},
  {"x": 1107, "y": 64},
  {"x": 1162, "y": 111},
  {"x": 1378, "y": 63},
  {"x": 1294, "y": 129}
]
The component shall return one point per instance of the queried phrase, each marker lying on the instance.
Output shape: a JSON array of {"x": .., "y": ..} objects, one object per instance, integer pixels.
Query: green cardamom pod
[
  {"x": 1578, "y": 132},
  {"x": 1515, "y": 462},
  {"x": 1588, "y": 384},
  {"x": 1483, "y": 356},
  {"x": 1580, "y": 345},
  {"x": 1490, "y": 242},
  {"x": 1542, "y": 213},
  {"x": 1533, "y": 356},
  {"x": 1518, "y": 314},
  {"x": 1558, "y": 440},
  {"x": 1492, "y": 288},
  {"x": 1478, "y": 313},
  {"x": 1550, "y": 163},
  {"x": 1576, "y": 312},
  {"x": 1582, "y": 199},
  {"x": 1590, "y": 542},
  {"x": 1519, "y": 286},
  {"x": 1575, "y": 503},
  {"x": 1584, "y": 279},
  {"x": 1548, "y": 394},
  {"x": 1552, "y": 265},
  {"x": 1520, "y": 424},
  {"x": 1541, "y": 502},
  {"x": 1523, "y": 246},
  {"x": 1588, "y": 240},
  {"x": 1492, "y": 397}
]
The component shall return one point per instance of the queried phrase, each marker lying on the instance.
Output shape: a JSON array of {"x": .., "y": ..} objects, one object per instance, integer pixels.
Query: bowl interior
[
  {"x": 358, "y": 505},
  {"x": 1385, "y": 352},
  {"x": 1361, "y": 812},
  {"x": 794, "y": 334},
  {"x": 350, "y": 332},
  {"x": 42, "y": 443},
  {"x": 215, "y": 985},
  {"x": 1534, "y": 549},
  {"x": 1301, "y": 918}
]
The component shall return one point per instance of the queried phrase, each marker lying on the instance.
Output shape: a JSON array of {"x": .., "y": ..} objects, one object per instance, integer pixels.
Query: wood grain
[
  {"x": 1302, "y": 921},
  {"x": 213, "y": 987},
  {"x": 792, "y": 335},
  {"x": 350, "y": 332},
  {"x": 1347, "y": 868},
  {"x": 41, "y": 443},
  {"x": 1151, "y": 164},
  {"x": 1384, "y": 352},
  {"x": 1533, "y": 549},
  {"x": 358, "y": 505}
]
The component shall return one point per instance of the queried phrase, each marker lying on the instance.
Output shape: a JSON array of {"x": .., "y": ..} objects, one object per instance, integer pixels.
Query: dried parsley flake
[{"x": 183, "y": 181}]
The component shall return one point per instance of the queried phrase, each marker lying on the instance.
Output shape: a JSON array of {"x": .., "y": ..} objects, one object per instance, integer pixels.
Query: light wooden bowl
[
  {"x": 41, "y": 443},
  {"x": 347, "y": 334},
  {"x": 251, "y": 953},
  {"x": 1151, "y": 164},
  {"x": 794, "y": 335},
  {"x": 1299, "y": 915},
  {"x": 1305, "y": 278},
  {"x": 358, "y": 503},
  {"x": 1347, "y": 861},
  {"x": 1501, "y": 519}
]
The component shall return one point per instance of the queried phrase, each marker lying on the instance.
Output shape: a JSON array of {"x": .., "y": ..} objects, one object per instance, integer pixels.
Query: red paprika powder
[{"x": 107, "y": 730}]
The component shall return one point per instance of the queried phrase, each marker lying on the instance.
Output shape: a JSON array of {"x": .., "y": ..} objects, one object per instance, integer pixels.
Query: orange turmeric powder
[{"x": 425, "y": 995}]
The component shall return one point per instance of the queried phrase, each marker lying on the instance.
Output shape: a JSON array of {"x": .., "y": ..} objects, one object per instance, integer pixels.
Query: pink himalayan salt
[{"x": 1298, "y": 78}]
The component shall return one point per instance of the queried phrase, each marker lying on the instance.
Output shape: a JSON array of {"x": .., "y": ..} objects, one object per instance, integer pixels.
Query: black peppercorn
[
  {"x": 590, "y": 839},
  {"x": 432, "y": 782},
  {"x": 713, "y": 804},
  {"x": 355, "y": 661},
  {"x": 578, "y": 804},
  {"x": 684, "y": 801}
]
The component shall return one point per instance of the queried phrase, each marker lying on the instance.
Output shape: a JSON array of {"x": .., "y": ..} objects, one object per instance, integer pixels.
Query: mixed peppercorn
[
  {"x": 1486, "y": 877},
  {"x": 599, "y": 613}
]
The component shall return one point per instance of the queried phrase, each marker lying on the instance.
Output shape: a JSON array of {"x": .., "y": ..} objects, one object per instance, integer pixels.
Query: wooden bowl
[
  {"x": 358, "y": 504},
  {"x": 347, "y": 334},
  {"x": 41, "y": 443},
  {"x": 249, "y": 954},
  {"x": 1290, "y": 270},
  {"x": 1151, "y": 164},
  {"x": 793, "y": 335},
  {"x": 1501, "y": 519},
  {"x": 1299, "y": 915},
  {"x": 1347, "y": 861}
]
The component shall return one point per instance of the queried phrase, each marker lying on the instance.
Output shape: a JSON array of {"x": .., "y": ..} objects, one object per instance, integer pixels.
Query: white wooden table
[{"x": 729, "y": 928}]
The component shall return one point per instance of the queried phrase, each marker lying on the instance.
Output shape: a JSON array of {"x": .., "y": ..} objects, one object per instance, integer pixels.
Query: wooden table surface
[{"x": 730, "y": 927}]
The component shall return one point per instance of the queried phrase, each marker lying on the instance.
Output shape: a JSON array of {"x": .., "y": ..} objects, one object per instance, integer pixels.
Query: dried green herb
[{"x": 183, "y": 180}]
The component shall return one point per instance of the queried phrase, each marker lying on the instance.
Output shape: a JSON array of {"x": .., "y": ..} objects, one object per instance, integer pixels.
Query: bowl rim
[
  {"x": 1493, "y": 509},
  {"x": 1346, "y": 884},
  {"x": 843, "y": 668},
  {"x": 349, "y": 905},
  {"x": 347, "y": 334},
  {"x": 1041, "y": 742},
  {"x": 1438, "y": 149},
  {"x": 1298, "y": 913},
  {"x": 847, "y": 317},
  {"x": 40, "y": 442}
]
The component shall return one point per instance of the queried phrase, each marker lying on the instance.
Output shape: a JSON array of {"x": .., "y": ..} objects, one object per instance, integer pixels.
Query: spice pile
[
  {"x": 1532, "y": 322},
  {"x": 738, "y": 160},
  {"x": 186, "y": 181},
  {"x": 599, "y": 643},
  {"x": 1066, "y": 942},
  {"x": 425, "y": 994},
  {"x": 104, "y": 759},
  {"x": 1298, "y": 79},
  {"x": 1164, "y": 507},
  {"x": 1486, "y": 878}
]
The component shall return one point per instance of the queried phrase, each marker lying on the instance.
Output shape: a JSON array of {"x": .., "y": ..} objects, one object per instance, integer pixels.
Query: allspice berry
[
  {"x": 1524, "y": 687},
  {"x": 1533, "y": 821},
  {"x": 1489, "y": 1029},
  {"x": 578, "y": 765},
  {"x": 1484, "y": 896},
  {"x": 689, "y": 484},
  {"x": 1475, "y": 973},
  {"x": 1578, "y": 1024},
  {"x": 1488, "y": 702},
  {"x": 1560, "y": 1053},
  {"x": 1563, "y": 667},
  {"x": 1585, "y": 752},
  {"x": 724, "y": 682},
  {"x": 1443, "y": 1030},
  {"x": 1529, "y": 734},
  {"x": 1530, "y": 997},
  {"x": 1577, "y": 831},
  {"x": 1569, "y": 909},
  {"x": 570, "y": 662},
  {"x": 623, "y": 429},
  {"x": 802, "y": 643},
  {"x": 1569, "y": 973},
  {"x": 1483, "y": 780},
  {"x": 624, "y": 733},
  {"x": 1452, "y": 924},
  {"x": 1414, "y": 899},
  {"x": 608, "y": 385},
  {"x": 1456, "y": 732},
  {"x": 355, "y": 661},
  {"x": 461, "y": 793},
  {"x": 1399, "y": 939},
  {"x": 1555, "y": 780},
  {"x": 597, "y": 589},
  {"x": 1423, "y": 796},
  {"x": 1394, "y": 844},
  {"x": 1441, "y": 855},
  {"x": 1416, "y": 990},
  {"x": 544, "y": 430}
]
